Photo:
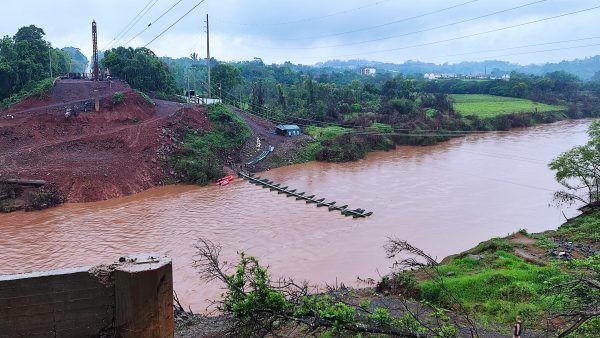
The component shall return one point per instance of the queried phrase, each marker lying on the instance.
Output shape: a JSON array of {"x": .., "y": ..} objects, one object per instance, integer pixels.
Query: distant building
[
  {"x": 368, "y": 71},
  {"x": 431, "y": 76},
  {"x": 287, "y": 130},
  {"x": 437, "y": 76}
]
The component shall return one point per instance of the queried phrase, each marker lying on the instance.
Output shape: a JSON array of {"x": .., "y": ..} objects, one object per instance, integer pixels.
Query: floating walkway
[{"x": 301, "y": 196}]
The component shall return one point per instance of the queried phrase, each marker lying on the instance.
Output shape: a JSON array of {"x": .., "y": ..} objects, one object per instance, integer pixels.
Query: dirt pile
[{"x": 91, "y": 155}]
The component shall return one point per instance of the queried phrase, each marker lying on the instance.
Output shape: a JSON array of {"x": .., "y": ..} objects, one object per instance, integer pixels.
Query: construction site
[{"x": 76, "y": 143}]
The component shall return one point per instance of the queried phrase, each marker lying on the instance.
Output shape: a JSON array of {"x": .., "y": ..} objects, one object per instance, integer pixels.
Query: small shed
[{"x": 287, "y": 130}]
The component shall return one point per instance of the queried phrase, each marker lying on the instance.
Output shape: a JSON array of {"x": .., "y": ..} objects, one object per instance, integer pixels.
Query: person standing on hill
[{"x": 518, "y": 329}]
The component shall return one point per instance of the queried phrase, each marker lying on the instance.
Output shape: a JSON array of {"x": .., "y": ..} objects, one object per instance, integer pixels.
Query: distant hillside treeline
[
  {"x": 79, "y": 62},
  {"x": 585, "y": 69}
]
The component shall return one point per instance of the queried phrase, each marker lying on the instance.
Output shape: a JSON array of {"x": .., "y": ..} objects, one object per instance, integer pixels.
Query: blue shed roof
[{"x": 288, "y": 127}]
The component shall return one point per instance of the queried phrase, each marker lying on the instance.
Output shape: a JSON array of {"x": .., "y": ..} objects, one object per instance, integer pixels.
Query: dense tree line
[
  {"x": 141, "y": 68},
  {"x": 26, "y": 58}
]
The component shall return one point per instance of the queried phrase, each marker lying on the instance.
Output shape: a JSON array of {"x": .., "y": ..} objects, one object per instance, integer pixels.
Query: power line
[
  {"x": 174, "y": 23},
  {"x": 515, "y": 47},
  {"x": 538, "y": 51},
  {"x": 153, "y": 22},
  {"x": 138, "y": 20},
  {"x": 415, "y": 32},
  {"x": 126, "y": 26},
  {"x": 314, "y": 18},
  {"x": 384, "y": 24},
  {"x": 464, "y": 36}
]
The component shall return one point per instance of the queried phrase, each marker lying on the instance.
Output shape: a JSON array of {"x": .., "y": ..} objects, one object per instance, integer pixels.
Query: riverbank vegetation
[
  {"x": 476, "y": 293},
  {"x": 411, "y": 109},
  {"x": 202, "y": 153},
  {"x": 550, "y": 281}
]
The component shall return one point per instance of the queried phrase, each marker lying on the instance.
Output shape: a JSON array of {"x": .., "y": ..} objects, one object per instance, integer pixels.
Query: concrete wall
[{"x": 132, "y": 298}]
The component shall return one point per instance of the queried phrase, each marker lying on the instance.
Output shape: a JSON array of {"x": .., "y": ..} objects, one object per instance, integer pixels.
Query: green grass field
[{"x": 486, "y": 106}]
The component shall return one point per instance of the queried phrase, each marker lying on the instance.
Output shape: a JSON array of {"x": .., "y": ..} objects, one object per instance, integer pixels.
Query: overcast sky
[{"x": 310, "y": 31}]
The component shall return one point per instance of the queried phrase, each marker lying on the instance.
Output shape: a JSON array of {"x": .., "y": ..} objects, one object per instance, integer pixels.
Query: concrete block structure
[{"x": 131, "y": 298}]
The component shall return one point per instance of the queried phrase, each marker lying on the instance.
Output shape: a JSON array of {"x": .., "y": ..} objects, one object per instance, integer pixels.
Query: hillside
[
  {"x": 126, "y": 147},
  {"x": 90, "y": 155}
]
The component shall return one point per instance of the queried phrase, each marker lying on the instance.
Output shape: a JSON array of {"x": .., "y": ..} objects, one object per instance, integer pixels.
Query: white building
[
  {"x": 369, "y": 71},
  {"x": 432, "y": 76}
]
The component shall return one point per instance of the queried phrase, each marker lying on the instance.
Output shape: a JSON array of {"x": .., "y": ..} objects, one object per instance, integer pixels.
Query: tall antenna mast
[
  {"x": 208, "y": 54},
  {"x": 95, "y": 70}
]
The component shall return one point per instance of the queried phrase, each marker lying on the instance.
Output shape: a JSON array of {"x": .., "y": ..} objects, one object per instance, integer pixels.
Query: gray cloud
[{"x": 278, "y": 31}]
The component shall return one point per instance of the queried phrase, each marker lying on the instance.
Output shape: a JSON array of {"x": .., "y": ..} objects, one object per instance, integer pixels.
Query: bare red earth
[{"x": 93, "y": 155}]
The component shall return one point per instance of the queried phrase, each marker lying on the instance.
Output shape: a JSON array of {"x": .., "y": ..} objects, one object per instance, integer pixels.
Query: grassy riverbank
[
  {"x": 513, "y": 276},
  {"x": 470, "y": 112},
  {"x": 489, "y": 106}
]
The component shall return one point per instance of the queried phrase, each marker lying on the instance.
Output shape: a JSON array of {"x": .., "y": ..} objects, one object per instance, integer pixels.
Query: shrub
[
  {"x": 45, "y": 197},
  {"x": 118, "y": 98}
]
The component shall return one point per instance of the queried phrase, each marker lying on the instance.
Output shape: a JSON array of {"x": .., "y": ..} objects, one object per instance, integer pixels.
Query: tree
[
  {"x": 257, "y": 98},
  {"x": 141, "y": 69},
  {"x": 25, "y": 61},
  {"x": 281, "y": 97},
  {"x": 227, "y": 76},
  {"x": 578, "y": 170}
]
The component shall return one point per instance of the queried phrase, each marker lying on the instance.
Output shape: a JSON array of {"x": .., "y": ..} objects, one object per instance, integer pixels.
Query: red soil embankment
[{"x": 92, "y": 155}]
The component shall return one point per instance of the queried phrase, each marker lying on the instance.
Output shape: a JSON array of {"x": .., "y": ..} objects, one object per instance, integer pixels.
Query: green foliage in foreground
[
  {"x": 253, "y": 300},
  {"x": 34, "y": 89},
  {"x": 200, "y": 160},
  {"x": 488, "y": 106}
]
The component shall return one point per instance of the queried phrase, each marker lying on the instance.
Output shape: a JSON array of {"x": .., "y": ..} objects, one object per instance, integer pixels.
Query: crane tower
[{"x": 95, "y": 69}]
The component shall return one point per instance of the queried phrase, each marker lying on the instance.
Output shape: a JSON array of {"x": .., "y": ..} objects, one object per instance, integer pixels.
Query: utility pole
[
  {"x": 208, "y": 54},
  {"x": 50, "y": 62},
  {"x": 188, "y": 86}
]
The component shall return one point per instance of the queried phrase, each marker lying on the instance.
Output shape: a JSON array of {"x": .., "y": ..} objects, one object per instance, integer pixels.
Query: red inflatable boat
[{"x": 225, "y": 180}]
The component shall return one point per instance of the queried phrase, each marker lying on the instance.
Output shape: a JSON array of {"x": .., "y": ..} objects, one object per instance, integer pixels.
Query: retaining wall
[{"x": 131, "y": 298}]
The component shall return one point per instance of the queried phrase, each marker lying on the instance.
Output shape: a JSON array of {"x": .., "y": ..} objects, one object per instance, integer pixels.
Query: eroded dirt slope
[{"x": 92, "y": 155}]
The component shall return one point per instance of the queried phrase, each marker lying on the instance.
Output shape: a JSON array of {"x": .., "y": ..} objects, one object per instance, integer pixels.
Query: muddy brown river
[{"x": 444, "y": 199}]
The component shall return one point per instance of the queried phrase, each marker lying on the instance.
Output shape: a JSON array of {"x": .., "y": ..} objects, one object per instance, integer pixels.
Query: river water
[{"x": 443, "y": 199}]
